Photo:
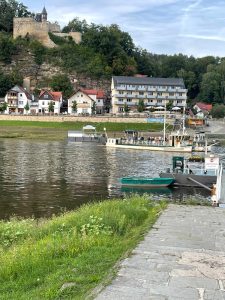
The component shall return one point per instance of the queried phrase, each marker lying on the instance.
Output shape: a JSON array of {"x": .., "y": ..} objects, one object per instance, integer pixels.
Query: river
[{"x": 39, "y": 178}]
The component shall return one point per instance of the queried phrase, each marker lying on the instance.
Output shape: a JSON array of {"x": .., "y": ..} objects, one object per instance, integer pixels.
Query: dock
[{"x": 181, "y": 257}]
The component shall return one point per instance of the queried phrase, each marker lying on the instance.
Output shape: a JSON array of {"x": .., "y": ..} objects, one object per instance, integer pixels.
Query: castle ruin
[{"x": 39, "y": 27}]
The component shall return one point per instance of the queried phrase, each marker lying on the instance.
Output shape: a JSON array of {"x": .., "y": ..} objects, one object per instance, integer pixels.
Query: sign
[
  {"x": 155, "y": 120},
  {"x": 212, "y": 163}
]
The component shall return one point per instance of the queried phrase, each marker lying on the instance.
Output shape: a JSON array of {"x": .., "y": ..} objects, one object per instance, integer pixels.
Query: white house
[
  {"x": 17, "y": 98},
  {"x": 46, "y": 97},
  {"x": 85, "y": 100}
]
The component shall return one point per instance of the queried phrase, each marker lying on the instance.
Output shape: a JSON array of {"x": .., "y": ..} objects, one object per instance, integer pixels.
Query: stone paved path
[{"x": 182, "y": 257}]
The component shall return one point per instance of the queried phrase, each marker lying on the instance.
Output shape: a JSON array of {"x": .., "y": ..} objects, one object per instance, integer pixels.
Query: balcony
[
  {"x": 131, "y": 103},
  {"x": 14, "y": 104},
  {"x": 130, "y": 95},
  {"x": 181, "y": 97},
  {"x": 172, "y": 90},
  {"x": 172, "y": 97},
  {"x": 162, "y": 89},
  {"x": 141, "y": 89},
  {"x": 181, "y": 90},
  {"x": 121, "y": 88},
  {"x": 151, "y": 97},
  {"x": 161, "y": 97},
  {"x": 119, "y": 102},
  {"x": 131, "y": 88},
  {"x": 141, "y": 96},
  {"x": 151, "y": 89},
  {"x": 120, "y": 95}
]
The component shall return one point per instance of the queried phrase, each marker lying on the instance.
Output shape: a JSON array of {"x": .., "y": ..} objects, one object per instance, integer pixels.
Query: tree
[
  {"x": 7, "y": 47},
  {"x": 10, "y": 9},
  {"x": 218, "y": 111},
  {"x": 141, "y": 106},
  {"x": 3, "y": 106},
  {"x": 61, "y": 83},
  {"x": 169, "y": 105},
  {"x": 51, "y": 107},
  {"x": 126, "y": 108},
  {"x": 93, "y": 108},
  {"x": 27, "y": 107},
  {"x": 74, "y": 106}
]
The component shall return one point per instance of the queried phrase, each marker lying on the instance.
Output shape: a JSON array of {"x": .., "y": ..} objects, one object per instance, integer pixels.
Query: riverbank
[
  {"x": 58, "y": 130},
  {"x": 68, "y": 256},
  {"x": 182, "y": 257}
]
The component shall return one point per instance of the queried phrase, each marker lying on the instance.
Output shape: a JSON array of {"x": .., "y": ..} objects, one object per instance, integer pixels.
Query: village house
[
  {"x": 45, "y": 99},
  {"x": 154, "y": 92},
  {"x": 202, "y": 109},
  {"x": 87, "y": 100},
  {"x": 18, "y": 99}
]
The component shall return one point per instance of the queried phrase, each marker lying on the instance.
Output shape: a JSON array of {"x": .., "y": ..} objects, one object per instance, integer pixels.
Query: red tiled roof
[
  {"x": 99, "y": 93},
  {"x": 204, "y": 106},
  {"x": 55, "y": 95}
]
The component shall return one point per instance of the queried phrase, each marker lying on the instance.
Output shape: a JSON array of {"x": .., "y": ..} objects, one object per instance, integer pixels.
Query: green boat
[{"x": 146, "y": 182}]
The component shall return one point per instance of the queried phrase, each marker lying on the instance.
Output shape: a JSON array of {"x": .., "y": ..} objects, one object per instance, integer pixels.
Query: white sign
[{"x": 212, "y": 163}]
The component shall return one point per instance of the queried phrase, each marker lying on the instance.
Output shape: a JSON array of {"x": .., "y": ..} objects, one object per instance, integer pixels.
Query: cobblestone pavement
[{"x": 182, "y": 257}]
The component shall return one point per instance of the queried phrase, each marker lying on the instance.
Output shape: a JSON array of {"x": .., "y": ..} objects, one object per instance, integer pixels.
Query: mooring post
[{"x": 215, "y": 202}]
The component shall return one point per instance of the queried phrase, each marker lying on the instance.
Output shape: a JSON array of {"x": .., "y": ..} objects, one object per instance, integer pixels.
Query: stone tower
[{"x": 44, "y": 14}]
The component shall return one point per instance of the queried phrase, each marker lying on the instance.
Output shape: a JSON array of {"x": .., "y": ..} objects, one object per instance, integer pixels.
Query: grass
[
  {"x": 58, "y": 130},
  {"x": 68, "y": 256}
]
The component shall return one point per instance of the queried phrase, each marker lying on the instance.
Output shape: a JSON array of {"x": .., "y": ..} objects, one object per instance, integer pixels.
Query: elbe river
[{"x": 42, "y": 178}]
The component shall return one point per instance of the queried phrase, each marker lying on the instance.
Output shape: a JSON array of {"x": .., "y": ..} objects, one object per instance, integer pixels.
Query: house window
[
  {"x": 43, "y": 102},
  {"x": 46, "y": 96},
  {"x": 121, "y": 92},
  {"x": 121, "y": 109},
  {"x": 159, "y": 94},
  {"x": 141, "y": 93},
  {"x": 180, "y": 94},
  {"x": 171, "y": 94},
  {"x": 179, "y": 101},
  {"x": 21, "y": 102},
  {"x": 21, "y": 95},
  {"x": 129, "y": 100},
  {"x": 121, "y": 100},
  {"x": 159, "y": 101},
  {"x": 150, "y": 93},
  {"x": 81, "y": 95}
]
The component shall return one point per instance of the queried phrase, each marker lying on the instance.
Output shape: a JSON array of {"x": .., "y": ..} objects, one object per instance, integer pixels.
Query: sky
[{"x": 191, "y": 27}]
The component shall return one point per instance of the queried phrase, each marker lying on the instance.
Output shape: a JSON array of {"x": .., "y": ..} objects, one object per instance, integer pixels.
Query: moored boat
[
  {"x": 146, "y": 182},
  {"x": 186, "y": 173}
]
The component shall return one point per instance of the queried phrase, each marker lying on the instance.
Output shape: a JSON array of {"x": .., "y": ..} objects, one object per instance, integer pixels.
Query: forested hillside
[{"x": 107, "y": 51}]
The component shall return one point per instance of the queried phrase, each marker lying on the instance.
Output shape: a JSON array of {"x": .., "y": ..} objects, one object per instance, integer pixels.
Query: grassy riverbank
[
  {"x": 58, "y": 130},
  {"x": 68, "y": 256}
]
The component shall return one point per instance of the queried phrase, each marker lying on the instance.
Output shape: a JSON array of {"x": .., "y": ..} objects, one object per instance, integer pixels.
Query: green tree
[
  {"x": 3, "y": 106},
  {"x": 51, "y": 107},
  {"x": 218, "y": 111},
  {"x": 61, "y": 83},
  {"x": 126, "y": 108},
  {"x": 169, "y": 105},
  {"x": 74, "y": 106},
  {"x": 141, "y": 105},
  {"x": 7, "y": 48},
  {"x": 93, "y": 108},
  {"x": 27, "y": 107},
  {"x": 10, "y": 9}
]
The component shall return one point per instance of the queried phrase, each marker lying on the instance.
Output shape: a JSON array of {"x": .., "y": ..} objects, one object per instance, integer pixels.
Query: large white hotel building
[{"x": 154, "y": 92}]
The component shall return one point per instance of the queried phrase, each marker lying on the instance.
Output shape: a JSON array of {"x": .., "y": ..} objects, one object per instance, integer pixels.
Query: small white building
[
  {"x": 17, "y": 98},
  {"x": 45, "y": 99},
  {"x": 85, "y": 100}
]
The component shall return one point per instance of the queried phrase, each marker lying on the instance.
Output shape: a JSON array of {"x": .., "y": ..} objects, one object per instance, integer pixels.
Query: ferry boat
[
  {"x": 193, "y": 174},
  {"x": 146, "y": 182}
]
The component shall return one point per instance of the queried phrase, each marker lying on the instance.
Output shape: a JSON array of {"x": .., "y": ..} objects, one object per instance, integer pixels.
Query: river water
[{"x": 39, "y": 178}]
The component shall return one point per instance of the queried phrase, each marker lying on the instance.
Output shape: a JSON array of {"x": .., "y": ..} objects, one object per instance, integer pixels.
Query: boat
[
  {"x": 146, "y": 182},
  {"x": 88, "y": 134},
  {"x": 174, "y": 142},
  {"x": 193, "y": 174}
]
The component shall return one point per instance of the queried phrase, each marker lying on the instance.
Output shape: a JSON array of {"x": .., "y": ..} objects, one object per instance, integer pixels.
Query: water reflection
[{"x": 41, "y": 178}]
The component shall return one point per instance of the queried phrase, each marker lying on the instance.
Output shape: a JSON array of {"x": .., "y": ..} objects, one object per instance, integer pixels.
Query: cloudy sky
[{"x": 192, "y": 27}]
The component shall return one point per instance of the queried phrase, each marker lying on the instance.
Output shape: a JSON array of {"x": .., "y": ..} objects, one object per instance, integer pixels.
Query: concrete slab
[{"x": 182, "y": 257}]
